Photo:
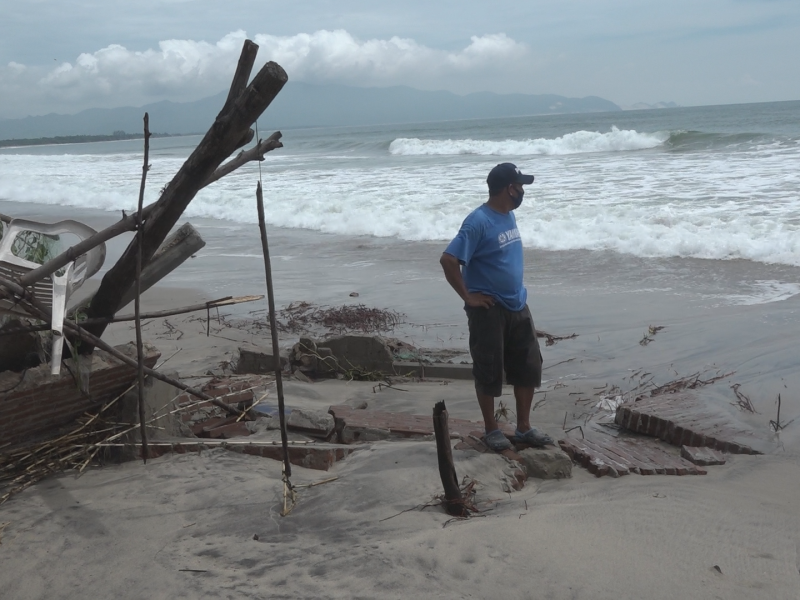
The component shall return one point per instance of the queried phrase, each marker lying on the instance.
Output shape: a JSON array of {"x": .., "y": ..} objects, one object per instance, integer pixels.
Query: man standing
[{"x": 502, "y": 336}]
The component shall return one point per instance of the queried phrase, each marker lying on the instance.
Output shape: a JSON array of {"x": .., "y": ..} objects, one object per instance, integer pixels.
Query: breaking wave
[{"x": 616, "y": 140}]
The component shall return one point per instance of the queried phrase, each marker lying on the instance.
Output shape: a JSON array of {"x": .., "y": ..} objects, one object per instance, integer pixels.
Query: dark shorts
[{"x": 501, "y": 340}]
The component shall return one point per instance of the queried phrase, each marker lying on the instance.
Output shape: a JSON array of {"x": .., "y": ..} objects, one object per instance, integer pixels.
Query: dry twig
[
  {"x": 776, "y": 424},
  {"x": 552, "y": 339},
  {"x": 742, "y": 400}
]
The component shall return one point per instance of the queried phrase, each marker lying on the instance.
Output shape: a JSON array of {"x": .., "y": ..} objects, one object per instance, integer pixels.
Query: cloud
[
  {"x": 749, "y": 80},
  {"x": 337, "y": 55},
  {"x": 178, "y": 67},
  {"x": 187, "y": 69}
]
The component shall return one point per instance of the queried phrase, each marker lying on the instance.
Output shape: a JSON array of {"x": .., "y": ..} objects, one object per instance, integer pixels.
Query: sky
[{"x": 64, "y": 56}]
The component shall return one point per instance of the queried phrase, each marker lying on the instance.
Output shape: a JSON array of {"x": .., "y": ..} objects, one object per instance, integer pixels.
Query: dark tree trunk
[
  {"x": 232, "y": 126},
  {"x": 453, "y": 501}
]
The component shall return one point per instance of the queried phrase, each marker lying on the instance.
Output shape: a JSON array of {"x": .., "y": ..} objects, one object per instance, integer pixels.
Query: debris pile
[{"x": 304, "y": 317}]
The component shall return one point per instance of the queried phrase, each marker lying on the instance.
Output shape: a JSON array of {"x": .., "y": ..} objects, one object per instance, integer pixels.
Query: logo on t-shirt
[{"x": 508, "y": 237}]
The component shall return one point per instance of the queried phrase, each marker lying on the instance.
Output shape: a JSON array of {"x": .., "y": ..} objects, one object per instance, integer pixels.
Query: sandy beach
[{"x": 208, "y": 525}]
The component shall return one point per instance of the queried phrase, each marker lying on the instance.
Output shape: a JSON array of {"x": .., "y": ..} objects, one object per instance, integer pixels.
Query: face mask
[{"x": 518, "y": 200}]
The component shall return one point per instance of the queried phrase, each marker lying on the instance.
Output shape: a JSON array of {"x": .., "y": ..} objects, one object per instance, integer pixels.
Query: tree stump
[{"x": 453, "y": 500}]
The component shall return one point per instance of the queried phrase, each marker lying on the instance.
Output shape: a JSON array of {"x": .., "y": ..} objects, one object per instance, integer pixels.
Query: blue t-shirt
[{"x": 489, "y": 246}]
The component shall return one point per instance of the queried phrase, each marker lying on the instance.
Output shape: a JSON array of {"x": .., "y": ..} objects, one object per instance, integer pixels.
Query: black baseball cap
[{"x": 505, "y": 174}]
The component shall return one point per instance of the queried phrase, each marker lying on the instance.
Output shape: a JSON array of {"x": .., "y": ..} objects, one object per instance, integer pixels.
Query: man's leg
[
  {"x": 494, "y": 438},
  {"x": 524, "y": 369},
  {"x": 524, "y": 398},
  {"x": 486, "y": 348},
  {"x": 487, "y": 410}
]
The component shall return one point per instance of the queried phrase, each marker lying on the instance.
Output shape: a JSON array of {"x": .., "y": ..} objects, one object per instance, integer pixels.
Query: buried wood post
[{"x": 453, "y": 500}]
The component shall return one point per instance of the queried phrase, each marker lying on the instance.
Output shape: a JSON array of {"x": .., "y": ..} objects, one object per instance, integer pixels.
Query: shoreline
[
  {"x": 711, "y": 311},
  {"x": 207, "y": 524}
]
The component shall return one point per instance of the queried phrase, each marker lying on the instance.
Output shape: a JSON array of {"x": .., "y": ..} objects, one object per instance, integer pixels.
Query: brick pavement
[
  {"x": 606, "y": 455},
  {"x": 681, "y": 420},
  {"x": 399, "y": 425}
]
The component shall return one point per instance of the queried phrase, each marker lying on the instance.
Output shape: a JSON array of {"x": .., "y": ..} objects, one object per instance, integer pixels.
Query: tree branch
[{"x": 255, "y": 153}]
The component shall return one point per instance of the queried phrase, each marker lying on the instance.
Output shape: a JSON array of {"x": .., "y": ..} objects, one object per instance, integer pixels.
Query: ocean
[
  {"x": 682, "y": 218},
  {"x": 717, "y": 182}
]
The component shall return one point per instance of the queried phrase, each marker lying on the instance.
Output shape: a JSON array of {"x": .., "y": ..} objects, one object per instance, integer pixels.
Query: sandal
[
  {"x": 533, "y": 437},
  {"x": 495, "y": 440}
]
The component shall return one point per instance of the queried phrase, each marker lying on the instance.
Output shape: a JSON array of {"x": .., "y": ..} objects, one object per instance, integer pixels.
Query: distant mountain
[
  {"x": 645, "y": 106},
  {"x": 306, "y": 105}
]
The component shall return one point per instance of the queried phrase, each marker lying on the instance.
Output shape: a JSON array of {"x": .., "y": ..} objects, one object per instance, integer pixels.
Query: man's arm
[{"x": 452, "y": 272}]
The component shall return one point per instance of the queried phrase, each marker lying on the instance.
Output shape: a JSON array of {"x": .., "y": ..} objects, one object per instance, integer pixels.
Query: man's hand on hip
[{"x": 479, "y": 300}]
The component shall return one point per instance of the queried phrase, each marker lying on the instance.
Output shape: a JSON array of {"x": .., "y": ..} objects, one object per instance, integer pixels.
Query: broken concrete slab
[
  {"x": 606, "y": 455},
  {"x": 546, "y": 463},
  {"x": 160, "y": 411},
  {"x": 258, "y": 361},
  {"x": 514, "y": 473},
  {"x": 703, "y": 456},
  {"x": 357, "y": 352},
  {"x": 310, "y": 422},
  {"x": 433, "y": 370},
  {"x": 682, "y": 420}
]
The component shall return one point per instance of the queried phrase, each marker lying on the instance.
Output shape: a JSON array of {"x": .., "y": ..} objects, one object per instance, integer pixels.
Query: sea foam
[
  {"x": 616, "y": 140},
  {"x": 712, "y": 205}
]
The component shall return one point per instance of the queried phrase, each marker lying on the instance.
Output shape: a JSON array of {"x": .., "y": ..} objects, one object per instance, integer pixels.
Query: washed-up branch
[
  {"x": 688, "y": 383},
  {"x": 742, "y": 400},
  {"x": 552, "y": 339}
]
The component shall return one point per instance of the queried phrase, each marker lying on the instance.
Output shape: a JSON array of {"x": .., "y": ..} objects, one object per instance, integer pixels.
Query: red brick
[
  {"x": 702, "y": 456},
  {"x": 230, "y": 430},
  {"x": 198, "y": 427}
]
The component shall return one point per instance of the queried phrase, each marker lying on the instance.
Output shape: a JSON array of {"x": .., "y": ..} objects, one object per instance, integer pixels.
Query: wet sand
[{"x": 184, "y": 526}]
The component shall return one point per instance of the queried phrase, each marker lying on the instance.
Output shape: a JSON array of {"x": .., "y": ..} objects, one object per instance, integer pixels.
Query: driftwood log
[
  {"x": 230, "y": 130},
  {"x": 453, "y": 500},
  {"x": 182, "y": 244}
]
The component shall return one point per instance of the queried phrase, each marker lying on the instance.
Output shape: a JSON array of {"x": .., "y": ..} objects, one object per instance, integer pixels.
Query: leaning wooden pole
[
  {"x": 128, "y": 222},
  {"x": 453, "y": 500},
  {"x": 138, "y": 288},
  {"x": 273, "y": 327}
]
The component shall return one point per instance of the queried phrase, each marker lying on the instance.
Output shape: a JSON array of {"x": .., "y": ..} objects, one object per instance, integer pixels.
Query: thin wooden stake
[
  {"x": 138, "y": 288},
  {"x": 273, "y": 327}
]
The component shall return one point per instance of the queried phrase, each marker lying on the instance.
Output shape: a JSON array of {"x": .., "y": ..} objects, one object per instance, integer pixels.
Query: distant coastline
[
  {"x": 78, "y": 139},
  {"x": 305, "y": 105}
]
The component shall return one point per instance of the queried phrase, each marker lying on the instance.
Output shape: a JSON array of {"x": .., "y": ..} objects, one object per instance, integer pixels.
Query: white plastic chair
[{"x": 53, "y": 291}]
